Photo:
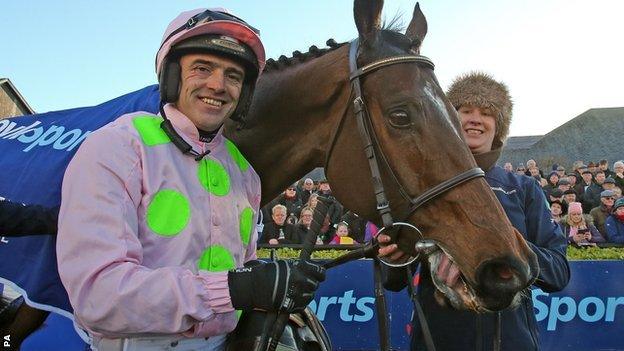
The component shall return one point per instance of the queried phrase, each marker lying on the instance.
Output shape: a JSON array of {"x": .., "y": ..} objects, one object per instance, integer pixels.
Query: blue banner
[
  {"x": 35, "y": 152},
  {"x": 587, "y": 315}
]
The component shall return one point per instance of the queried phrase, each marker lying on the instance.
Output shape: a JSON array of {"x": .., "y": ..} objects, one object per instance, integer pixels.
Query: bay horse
[{"x": 302, "y": 117}]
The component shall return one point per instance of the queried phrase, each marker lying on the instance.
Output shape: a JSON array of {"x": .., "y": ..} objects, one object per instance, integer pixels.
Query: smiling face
[
  {"x": 210, "y": 89},
  {"x": 555, "y": 209},
  {"x": 576, "y": 218},
  {"x": 279, "y": 215},
  {"x": 306, "y": 217},
  {"x": 478, "y": 126}
]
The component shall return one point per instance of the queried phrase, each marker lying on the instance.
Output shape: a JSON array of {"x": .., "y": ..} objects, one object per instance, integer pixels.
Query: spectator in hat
[
  {"x": 484, "y": 104},
  {"x": 576, "y": 167},
  {"x": 603, "y": 165},
  {"x": 564, "y": 184},
  {"x": 569, "y": 196},
  {"x": 551, "y": 182},
  {"x": 306, "y": 190},
  {"x": 609, "y": 184},
  {"x": 572, "y": 179},
  {"x": 615, "y": 223},
  {"x": 555, "y": 195},
  {"x": 579, "y": 228},
  {"x": 288, "y": 199},
  {"x": 560, "y": 171},
  {"x": 335, "y": 208},
  {"x": 618, "y": 169},
  {"x": 585, "y": 182},
  {"x": 591, "y": 198},
  {"x": 600, "y": 213}
]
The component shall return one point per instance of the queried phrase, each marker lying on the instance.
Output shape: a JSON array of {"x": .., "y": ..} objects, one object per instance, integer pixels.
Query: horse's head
[{"x": 418, "y": 143}]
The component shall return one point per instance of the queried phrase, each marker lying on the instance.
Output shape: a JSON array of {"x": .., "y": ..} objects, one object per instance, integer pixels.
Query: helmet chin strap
[{"x": 176, "y": 139}]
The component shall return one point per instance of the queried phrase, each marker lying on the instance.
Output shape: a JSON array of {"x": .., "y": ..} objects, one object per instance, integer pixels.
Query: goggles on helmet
[{"x": 209, "y": 16}]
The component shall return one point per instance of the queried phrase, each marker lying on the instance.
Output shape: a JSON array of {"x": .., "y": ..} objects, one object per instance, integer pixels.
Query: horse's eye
[{"x": 400, "y": 119}]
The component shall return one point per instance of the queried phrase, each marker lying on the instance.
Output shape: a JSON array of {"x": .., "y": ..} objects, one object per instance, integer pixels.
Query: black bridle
[{"x": 372, "y": 147}]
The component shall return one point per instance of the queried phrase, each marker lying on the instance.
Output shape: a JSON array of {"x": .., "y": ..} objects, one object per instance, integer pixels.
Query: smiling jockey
[
  {"x": 484, "y": 110},
  {"x": 158, "y": 211}
]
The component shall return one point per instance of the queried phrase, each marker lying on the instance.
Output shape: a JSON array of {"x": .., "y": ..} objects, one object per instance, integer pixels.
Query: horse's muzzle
[{"x": 499, "y": 280}]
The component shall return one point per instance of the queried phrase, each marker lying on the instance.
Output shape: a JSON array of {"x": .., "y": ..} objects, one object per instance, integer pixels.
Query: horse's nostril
[
  {"x": 501, "y": 276},
  {"x": 504, "y": 272}
]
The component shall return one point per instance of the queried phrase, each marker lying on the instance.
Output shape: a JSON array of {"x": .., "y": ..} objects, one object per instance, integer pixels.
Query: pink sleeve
[
  {"x": 100, "y": 256},
  {"x": 254, "y": 200}
]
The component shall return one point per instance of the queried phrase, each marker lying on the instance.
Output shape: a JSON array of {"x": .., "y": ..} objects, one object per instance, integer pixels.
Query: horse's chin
[{"x": 462, "y": 296}]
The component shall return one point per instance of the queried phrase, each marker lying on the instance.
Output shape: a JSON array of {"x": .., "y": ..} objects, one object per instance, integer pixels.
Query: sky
[{"x": 558, "y": 58}]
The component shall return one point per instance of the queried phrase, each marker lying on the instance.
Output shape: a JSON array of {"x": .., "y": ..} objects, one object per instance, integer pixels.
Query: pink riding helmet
[{"x": 176, "y": 32}]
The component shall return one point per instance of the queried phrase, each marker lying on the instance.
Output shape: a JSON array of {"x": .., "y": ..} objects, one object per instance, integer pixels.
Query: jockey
[
  {"x": 158, "y": 211},
  {"x": 484, "y": 109}
]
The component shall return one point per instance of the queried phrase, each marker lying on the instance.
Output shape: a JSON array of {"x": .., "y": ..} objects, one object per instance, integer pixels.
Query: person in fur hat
[{"x": 484, "y": 109}]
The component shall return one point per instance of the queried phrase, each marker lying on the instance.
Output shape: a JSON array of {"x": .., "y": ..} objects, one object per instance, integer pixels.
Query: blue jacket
[
  {"x": 615, "y": 230},
  {"x": 525, "y": 205}
]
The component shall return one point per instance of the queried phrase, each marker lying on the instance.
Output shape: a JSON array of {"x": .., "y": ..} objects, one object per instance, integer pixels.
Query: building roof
[
  {"x": 16, "y": 98},
  {"x": 522, "y": 142}
]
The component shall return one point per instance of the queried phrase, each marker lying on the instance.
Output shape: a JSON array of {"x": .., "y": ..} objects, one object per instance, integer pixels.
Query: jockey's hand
[
  {"x": 275, "y": 286},
  {"x": 388, "y": 250}
]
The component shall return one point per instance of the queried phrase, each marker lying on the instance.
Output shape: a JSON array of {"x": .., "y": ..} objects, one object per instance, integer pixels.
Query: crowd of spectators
[
  {"x": 287, "y": 219},
  {"x": 585, "y": 201}
]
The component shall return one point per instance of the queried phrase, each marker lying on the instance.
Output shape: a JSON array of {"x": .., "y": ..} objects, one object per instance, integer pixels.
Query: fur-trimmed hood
[{"x": 479, "y": 89}]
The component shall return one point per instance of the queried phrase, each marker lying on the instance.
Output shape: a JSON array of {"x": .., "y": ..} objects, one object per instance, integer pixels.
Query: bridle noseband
[{"x": 370, "y": 143}]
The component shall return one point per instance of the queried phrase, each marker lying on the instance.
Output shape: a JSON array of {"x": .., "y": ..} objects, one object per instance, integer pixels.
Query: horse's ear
[
  {"x": 417, "y": 29},
  {"x": 367, "y": 14}
]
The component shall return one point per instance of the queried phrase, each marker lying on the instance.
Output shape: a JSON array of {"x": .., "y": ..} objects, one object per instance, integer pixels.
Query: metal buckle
[
  {"x": 383, "y": 206},
  {"x": 412, "y": 258},
  {"x": 191, "y": 22}
]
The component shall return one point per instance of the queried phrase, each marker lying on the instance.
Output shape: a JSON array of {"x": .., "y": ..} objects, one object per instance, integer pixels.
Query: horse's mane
[
  {"x": 282, "y": 62},
  {"x": 298, "y": 56}
]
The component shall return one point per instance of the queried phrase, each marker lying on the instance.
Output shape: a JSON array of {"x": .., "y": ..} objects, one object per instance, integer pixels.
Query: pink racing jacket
[{"x": 146, "y": 234}]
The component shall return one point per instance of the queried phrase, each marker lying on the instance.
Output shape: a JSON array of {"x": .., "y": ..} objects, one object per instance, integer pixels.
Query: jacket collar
[
  {"x": 487, "y": 160},
  {"x": 185, "y": 127}
]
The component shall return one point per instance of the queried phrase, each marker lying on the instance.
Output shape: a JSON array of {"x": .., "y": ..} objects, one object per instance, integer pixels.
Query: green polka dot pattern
[
  {"x": 150, "y": 131},
  {"x": 238, "y": 157},
  {"x": 216, "y": 258},
  {"x": 246, "y": 224},
  {"x": 168, "y": 213},
  {"x": 213, "y": 177}
]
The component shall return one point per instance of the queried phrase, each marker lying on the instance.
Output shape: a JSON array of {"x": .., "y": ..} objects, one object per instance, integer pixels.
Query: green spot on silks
[
  {"x": 150, "y": 131},
  {"x": 246, "y": 224},
  {"x": 213, "y": 177},
  {"x": 168, "y": 212},
  {"x": 238, "y": 157},
  {"x": 238, "y": 314},
  {"x": 216, "y": 258}
]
